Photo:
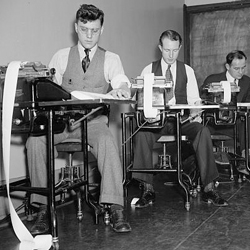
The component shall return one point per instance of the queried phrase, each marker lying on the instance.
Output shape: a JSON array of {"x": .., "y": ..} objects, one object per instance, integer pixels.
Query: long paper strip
[
  {"x": 41, "y": 242},
  {"x": 149, "y": 111},
  {"x": 227, "y": 91}
]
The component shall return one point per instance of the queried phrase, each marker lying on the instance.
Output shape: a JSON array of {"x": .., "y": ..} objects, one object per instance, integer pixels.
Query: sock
[
  {"x": 148, "y": 187},
  {"x": 209, "y": 187}
]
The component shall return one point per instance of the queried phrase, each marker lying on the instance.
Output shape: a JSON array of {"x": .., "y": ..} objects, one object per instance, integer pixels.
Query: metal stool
[
  {"x": 70, "y": 174},
  {"x": 165, "y": 162},
  {"x": 222, "y": 152}
]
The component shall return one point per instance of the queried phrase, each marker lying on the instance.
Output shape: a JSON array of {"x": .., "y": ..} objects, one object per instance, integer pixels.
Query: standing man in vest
[
  {"x": 185, "y": 92},
  {"x": 86, "y": 67}
]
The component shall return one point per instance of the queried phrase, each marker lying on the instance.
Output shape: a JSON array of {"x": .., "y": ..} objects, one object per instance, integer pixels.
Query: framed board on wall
[{"x": 211, "y": 31}]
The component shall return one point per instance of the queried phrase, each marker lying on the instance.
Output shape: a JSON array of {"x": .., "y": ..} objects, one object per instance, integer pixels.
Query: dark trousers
[{"x": 201, "y": 141}]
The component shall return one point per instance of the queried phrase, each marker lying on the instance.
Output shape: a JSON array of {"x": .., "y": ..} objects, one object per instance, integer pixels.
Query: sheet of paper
[{"x": 83, "y": 95}]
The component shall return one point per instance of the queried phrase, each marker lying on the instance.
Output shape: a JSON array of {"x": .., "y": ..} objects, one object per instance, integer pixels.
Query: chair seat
[
  {"x": 221, "y": 137},
  {"x": 170, "y": 138},
  {"x": 69, "y": 145}
]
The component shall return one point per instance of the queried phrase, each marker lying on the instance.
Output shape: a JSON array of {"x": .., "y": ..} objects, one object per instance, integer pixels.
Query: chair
[
  {"x": 189, "y": 170},
  {"x": 70, "y": 174}
]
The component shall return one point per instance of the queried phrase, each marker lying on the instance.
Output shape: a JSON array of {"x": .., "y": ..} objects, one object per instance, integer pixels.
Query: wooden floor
[{"x": 164, "y": 225}]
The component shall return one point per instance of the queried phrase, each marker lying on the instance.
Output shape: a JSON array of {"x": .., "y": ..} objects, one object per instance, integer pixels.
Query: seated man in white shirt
[
  {"x": 235, "y": 72},
  {"x": 185, "y": 92}
]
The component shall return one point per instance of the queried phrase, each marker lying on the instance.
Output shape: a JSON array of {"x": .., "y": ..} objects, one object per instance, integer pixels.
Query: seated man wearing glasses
[{"x": 86, "y": 67}]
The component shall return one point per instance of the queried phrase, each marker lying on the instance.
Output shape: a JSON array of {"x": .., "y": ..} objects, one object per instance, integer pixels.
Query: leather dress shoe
[
  {"x": 41, "y": 225},
  {"x": 242, "y": 168},
  {"x": 118, "y": 222},
  {"x": 214, "y": 198},
  {"x": 147, "y": 197}
]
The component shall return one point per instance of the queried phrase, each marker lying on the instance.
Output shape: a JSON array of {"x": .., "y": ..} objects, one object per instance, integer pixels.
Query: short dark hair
[
  {"x": 170, "y": 34},
  {"x": 88, "y": 12},
  {"x": 235, "y": 54}
]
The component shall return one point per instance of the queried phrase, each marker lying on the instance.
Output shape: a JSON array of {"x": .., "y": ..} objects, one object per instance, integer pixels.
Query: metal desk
[
  {"x": 50, "y": 107},
  {"x": 127, "y": 143},
  {"x": 244, "y": 109}
]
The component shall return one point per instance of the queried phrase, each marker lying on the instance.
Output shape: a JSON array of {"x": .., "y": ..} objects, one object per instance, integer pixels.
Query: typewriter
[
  {"x": 34, "y": 84},
  {"x": 160, "y": 97},
  {"x": 225, "y": 94}
]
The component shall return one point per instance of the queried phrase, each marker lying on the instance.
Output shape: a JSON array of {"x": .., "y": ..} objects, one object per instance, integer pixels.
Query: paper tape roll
[
  {"x": 9, "y": 93},
  {"x": 227, "y": 91},
  {"x": 149, "y": 111}
]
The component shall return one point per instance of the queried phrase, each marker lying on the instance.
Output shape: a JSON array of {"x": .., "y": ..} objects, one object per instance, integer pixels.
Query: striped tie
[
  {"x": 86, "y": 60},
  {"x": 169, "y": 78},
  {"x": 168, "y": 75}
]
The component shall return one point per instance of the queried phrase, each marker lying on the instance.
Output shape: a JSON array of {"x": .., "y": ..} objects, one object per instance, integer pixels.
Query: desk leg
[
  {"x": 51, "y": 180},
  {"x": 127, "y": 148},
  {"x": 246, "y": 141},
  {"x": 88, "y": 197},
  {"x": 124, "y": 151},
  {"x": 179, "y": 162}
]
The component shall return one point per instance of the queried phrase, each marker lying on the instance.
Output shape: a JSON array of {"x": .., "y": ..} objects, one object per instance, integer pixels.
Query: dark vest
[
  {"x": 93, "y": 80},
  {"x": 181, "y": 80}
]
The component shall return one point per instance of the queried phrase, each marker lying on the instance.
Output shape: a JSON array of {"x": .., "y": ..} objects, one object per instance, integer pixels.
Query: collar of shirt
[
  {"x": 82, "y": 52},
  {"x": 230, "y": 78}
]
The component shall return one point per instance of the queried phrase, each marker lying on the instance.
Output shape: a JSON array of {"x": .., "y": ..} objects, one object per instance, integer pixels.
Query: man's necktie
[
  {"x": 168, "y": 75},
  {"x": 86, "y": 60},
  {"x": 169, "y": 78}
]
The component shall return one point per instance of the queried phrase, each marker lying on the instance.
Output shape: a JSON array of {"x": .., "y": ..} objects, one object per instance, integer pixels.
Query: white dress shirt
[
  {"x": 231, "y": 79},
  {"x": 193, "y": 96}
]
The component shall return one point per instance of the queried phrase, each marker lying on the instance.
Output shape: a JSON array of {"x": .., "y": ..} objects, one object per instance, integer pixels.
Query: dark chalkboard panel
[{"x": 211, "y": 31}]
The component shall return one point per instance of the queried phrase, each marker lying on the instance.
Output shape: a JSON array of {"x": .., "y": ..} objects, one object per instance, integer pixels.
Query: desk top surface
[
  {"x": 186, "y": 106},
  {"x": 85, "y": 102}
]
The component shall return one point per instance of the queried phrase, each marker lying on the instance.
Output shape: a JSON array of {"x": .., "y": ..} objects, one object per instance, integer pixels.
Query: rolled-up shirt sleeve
[
  {"x": 59, "y": 62},
  {"x": 193, "y": 95},
  {"x": 114, "y": 72}
]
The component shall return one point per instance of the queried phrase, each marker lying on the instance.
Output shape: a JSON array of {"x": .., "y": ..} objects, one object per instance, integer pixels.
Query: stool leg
[
  {"x": 79, "y": 205},
  {"x": 164, "y": 161},
  {"x": 231, "y": 172}
]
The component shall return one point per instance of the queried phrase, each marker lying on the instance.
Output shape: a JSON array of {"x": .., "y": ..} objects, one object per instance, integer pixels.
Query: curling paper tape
[
  {"x": 40, "y": 242},
  {"x": 43, "y": 242},
  {"x": 149, "y": 111},
  {"x": 227, "y": 91}
]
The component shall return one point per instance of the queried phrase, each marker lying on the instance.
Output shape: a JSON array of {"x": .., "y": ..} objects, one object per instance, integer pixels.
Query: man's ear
[
  {"x": 160, "y": 47},
  {"x": 102, "y": 28},
  {"x": 227, "y": 66},
  {"x": 76, "y": 28}
]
